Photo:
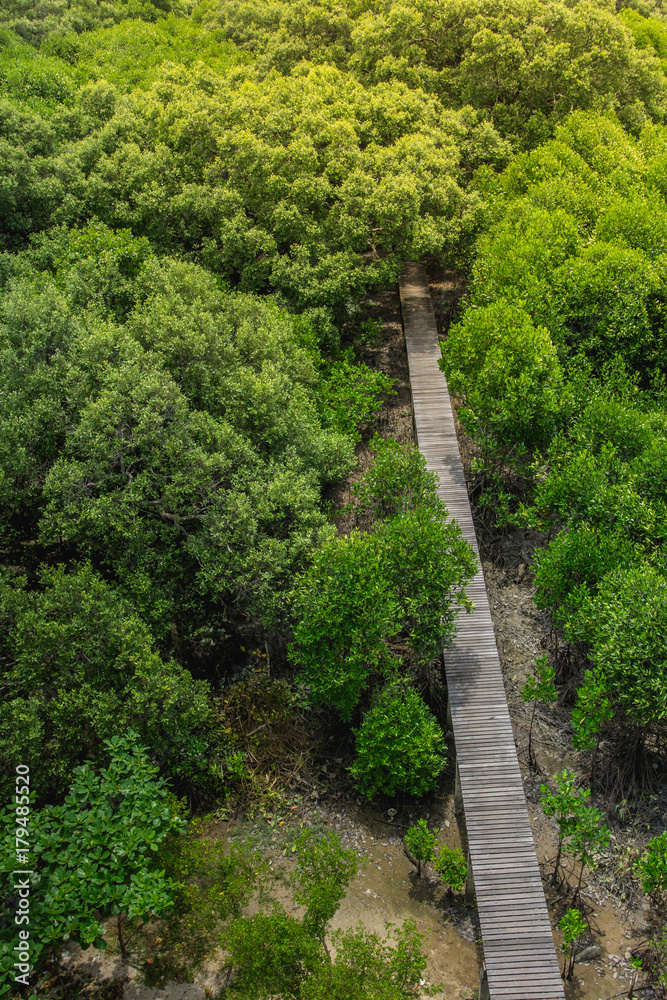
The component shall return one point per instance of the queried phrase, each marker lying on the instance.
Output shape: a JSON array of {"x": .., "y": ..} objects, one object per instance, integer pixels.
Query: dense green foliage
[
  {"x": 166, "y": 441},
  {"x": 400, "y": 746},
  {"x": 83, "y": 666},
  {"x": 363, "y": 591},
  {"x": 195, "y": 199},
  {"x": 507, "y": 373},
  {"x": 452, "y": 867},
  {"x": 53, "y": 19},
  {"x": 310, "y": 185},
  {"x": 94, "y": 855},
  {"x": 574, "y": 259},
  {"x": 523, "y": 61},
  {"x": 420, "y": 842}
]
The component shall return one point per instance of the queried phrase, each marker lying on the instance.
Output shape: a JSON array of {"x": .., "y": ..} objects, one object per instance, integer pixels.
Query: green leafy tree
[
  {"x": 565, "y": 805},
  {"x": 322, "y": 874},
  {"x": 345, "y": 615},
  {"x": 352, "y": 393},
  {"x": 79, "y": 663},
  {"x": 396, "y": 483},
  {"x": 649, "y": 32},
  {"x": 404, "y": 577},
  {"x": 270, "y": 953},
  {"x": 573, "y": 926},
  {"x": 623, "y": 625},
  {"x": 583, "y": 246},
  {"x": 96, "y": 855},
  {"x": 213, "y": 501},
  {"x": 651, "y": 868},
  {"x": 315, "y": 227},
  {"x": 589, "y": 834},
  {"x": 580, "y": 826},
  {"x": 539, "y": 687},
  {"x": 400, "y": 748},
  {"x": 130, "y": 54},
  {"x": 507, "y": 373},
  {"x": 428, "y": 563},
  {"x": 366, "y": 965},
  {"x": 420, "y": 842},
  {"x": 452, "y": 867},
  {"x": 576, "y": 558}
]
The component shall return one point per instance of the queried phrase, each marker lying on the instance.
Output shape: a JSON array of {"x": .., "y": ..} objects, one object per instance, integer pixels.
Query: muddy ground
[{"x": 386, "y": 890}]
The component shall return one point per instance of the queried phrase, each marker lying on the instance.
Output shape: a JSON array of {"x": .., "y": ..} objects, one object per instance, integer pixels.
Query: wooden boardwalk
[{"x": 519, "y": 951}]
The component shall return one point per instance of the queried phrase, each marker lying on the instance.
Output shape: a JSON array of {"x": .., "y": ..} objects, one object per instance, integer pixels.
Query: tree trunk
[
  {"x": 121, "y": 940},
  {"x": 554, "y": 877},
  {"x": 531, "y": 761}
]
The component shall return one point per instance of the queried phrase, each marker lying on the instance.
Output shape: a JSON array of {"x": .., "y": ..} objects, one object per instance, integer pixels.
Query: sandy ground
[{"x": 385, "y": 892}]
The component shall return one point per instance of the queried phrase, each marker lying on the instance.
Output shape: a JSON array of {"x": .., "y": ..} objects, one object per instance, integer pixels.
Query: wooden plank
[{"x": 516, "y": 932}]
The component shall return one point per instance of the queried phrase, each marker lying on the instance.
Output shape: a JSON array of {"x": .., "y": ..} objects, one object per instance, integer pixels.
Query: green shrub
[
  {"x": 573, "y": 927},
  {"x": 651, "y": 868},
  {"x": 400, "y": 746},
  {"x": 624, "y": 625},
  {"x": 452, "y": 867},
  {"x": 95, "y": 856},
  {"x": 270, "y": 954},
  {"x": 397, "y": 482},
  {"x": 578, "y": 558},
  {"x": 324, "y": 869},
  {"x": 427, "y": 563},
  {"x": 507, "y": 373},
  {"x": 580, "y": 826},
  {"x": 346, "y": 612},
  {"x": 367, "y": 966},
  {"x": 420, "y": 842},
  {"x": 80, "y": 664},
  {"x": 404, "y": 577},
  {"x": 352, "y": 393}
]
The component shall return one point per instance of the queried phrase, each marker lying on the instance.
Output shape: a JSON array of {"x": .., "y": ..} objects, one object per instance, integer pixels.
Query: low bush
[{"x": 400, "y": 748}]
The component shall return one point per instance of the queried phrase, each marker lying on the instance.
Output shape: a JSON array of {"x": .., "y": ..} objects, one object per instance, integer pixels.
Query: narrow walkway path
[{"x": 519, "y": 951}]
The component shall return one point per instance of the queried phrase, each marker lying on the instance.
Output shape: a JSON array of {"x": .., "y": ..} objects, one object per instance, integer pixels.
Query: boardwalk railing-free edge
[{"x": 519, "y": 955}]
